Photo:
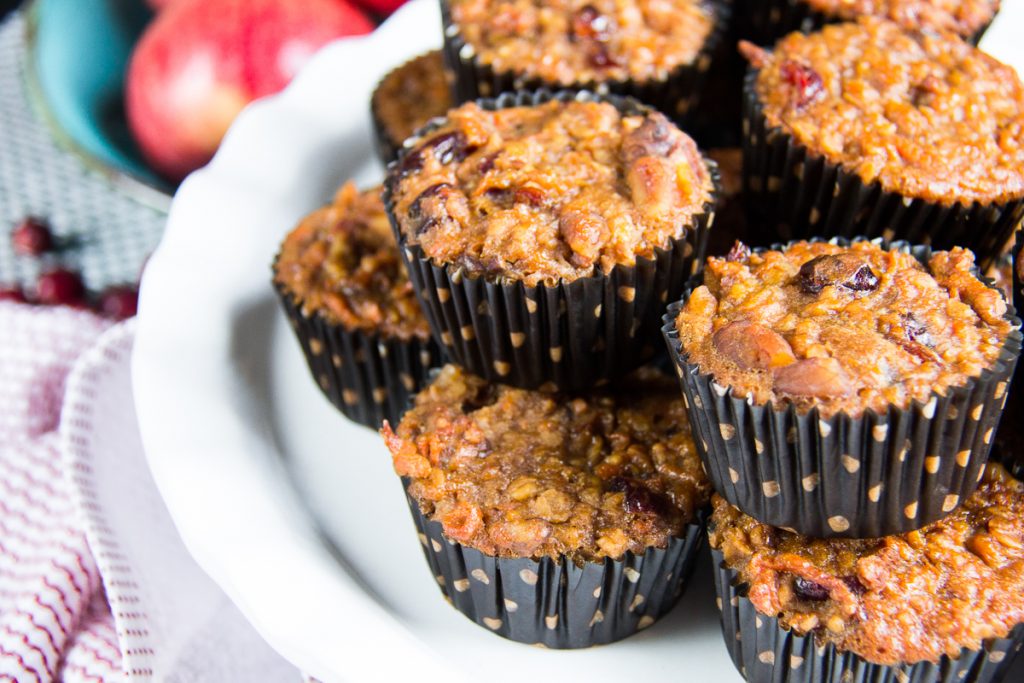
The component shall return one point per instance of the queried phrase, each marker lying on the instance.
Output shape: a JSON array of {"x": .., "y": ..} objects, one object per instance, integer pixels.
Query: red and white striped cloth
[{"x": 82, "y": 527}]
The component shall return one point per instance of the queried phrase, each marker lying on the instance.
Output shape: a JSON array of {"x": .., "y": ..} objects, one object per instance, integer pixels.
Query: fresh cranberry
[
  {"x": 12, "y": 293},
  {"x": 806, "y": 589},
  {"x": 806, "y": 82},
  {"x": 119, "y": 302},
  {"x": 32, "y": 237},
  {"x": 60, "y": 287}
]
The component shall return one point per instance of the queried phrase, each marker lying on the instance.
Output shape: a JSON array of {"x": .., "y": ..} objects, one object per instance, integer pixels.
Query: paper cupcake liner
[
  {"x": 384, "y": 145},
  {"x": 797, "y": 194},
  {"x": 765, "y": 652},
  {"x": 676, "y": 96},
  {"x": 765, "y": 22},
  {"x": 571, "y": 336},
  {"x": 861, "y": 477},
  {"x": 369, "y": 378},
  {"x": 556, "y": 603}
]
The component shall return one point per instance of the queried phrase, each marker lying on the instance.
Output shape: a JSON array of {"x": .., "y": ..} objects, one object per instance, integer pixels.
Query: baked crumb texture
[
  {"x": 658, "y": 52},
  {"x": 545, "y": 232},
  {"x": 346, "y": 293},
  {"x": 864, "y": 128},
  {"x": 929, "y": 604},
  {"x": 406, "y": 99},
  {"x": 854, "y": 390},
  {"x": 766, "y": 22},
  {"x": 552, "y": 519}
]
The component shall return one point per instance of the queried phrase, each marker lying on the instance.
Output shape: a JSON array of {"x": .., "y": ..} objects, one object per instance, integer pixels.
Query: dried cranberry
[
  {"x": 805, "y": 81},
  {"x": 739, "y": 252},
  {"x": 590, "y": 24},
  {"x": 916, "y": 331},
  {"x": 638, "y": 498},
  {"x": 411, "y": 162},
  {"x": 809, "y": 590},
  {"x": 13, "y": 293},
  {"x": 600, "y": 58},
  {"x": 425, "y": 222},
  {"x": 60, "y": 287},
  {"x": 863, "y": 280},
  {"x": 529, "y": 195},
  {"x": 119, "y": 302},
  {"x": 32, "y": 237},
  {"x": 449, "y": 147},
  {"x": 487, "y": 163}
]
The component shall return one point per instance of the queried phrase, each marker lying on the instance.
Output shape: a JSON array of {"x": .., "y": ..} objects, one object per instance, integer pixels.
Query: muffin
[
  {"x": 406, "y": 98},
  {"x": 657, "y": 52},
  {"x": 349, "y": 300},
  {"x": 867, "y": 129},
  {"x": 565, "y": 521},
  {"x": 544, "y": 232},
  {"x": 765, "y": 22},
  {"x": 844, "y": 389},
  {"x": 941, "y": 605}
]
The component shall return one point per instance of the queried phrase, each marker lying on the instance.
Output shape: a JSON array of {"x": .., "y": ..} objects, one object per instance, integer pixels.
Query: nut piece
[
  {"x": 585, "y": 232},
  {"x": 815, "y": 377},
  {"x": 848, "y": 270},
  {"x": 753, "y": 346}
]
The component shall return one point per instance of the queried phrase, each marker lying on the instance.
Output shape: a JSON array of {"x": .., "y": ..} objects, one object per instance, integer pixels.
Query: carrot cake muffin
[
  {"x": 408, "y": 97},
  {"x": 927, "y": 116},
  {"x": 345, "y": 289},
  {"x": 585, "y": 41},
  {"x": 896, "y": 600},
  {"x": 556, "y": 191},
  {"x": 964, "y": 18},
  {"x": 517, "y": 473},
  {"x": 342, "y": 262},
  {"x": 842, "y": 328}
]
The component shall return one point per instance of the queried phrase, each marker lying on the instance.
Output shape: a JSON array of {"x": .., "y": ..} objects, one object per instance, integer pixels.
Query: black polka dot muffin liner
[
  {"x": 765, "y": 652},
  {"x": 797, "y": 194},
  {"x": 368, "y": 377},
  {"x": 764, "y": 22},
  {"x": 557, "y": 603},
  {"x": 677, "y": 96},
  {"x": 861, "y": 477},
  {"x": 571, "y": 336}
]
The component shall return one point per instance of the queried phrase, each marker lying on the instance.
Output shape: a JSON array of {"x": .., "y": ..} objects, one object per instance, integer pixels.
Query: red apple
[
  {"x": 201, "y": 61},
  {"x": 379, "y": 7}
]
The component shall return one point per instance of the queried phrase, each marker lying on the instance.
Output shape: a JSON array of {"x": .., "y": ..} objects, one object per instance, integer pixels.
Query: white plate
[{"x": 292, "y": 510}]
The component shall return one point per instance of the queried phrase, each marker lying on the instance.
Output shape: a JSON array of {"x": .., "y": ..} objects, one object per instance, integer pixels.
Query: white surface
[{"x": 294, "y": 511}]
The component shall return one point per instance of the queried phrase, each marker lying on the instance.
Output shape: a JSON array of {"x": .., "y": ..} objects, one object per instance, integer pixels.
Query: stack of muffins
[{"x": 843, "y": 376}]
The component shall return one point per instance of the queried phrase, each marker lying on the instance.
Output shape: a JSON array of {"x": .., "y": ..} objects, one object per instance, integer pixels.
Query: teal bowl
[{"x": 78, "y": 53}]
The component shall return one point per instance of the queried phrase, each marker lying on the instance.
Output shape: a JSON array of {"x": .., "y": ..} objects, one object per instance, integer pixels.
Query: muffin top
[
  {"x": 551, "y": 192},
  {"x": 897, "y": 599},
  {"x": 927, "y": 116},
  {"x": 342, "y": 262},
  {"x": 518, "y": 473},
  {"x": 411, "y": 95},
  {"x": 962, "y": 17},
  {"x": 585, "y": 41},
  {"x": 842, "y": 328}
]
